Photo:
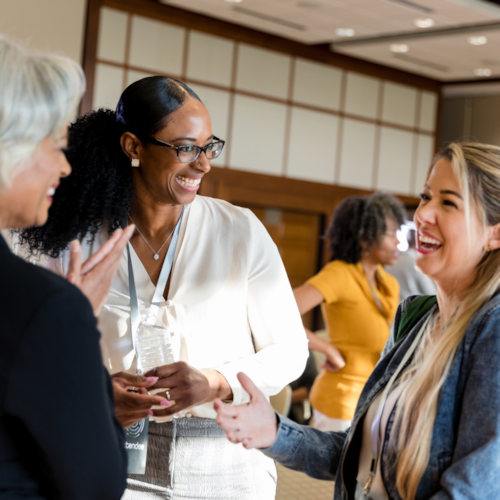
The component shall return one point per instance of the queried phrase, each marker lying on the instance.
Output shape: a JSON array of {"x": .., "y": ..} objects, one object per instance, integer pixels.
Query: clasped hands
[{"x": 187, "y": 386}]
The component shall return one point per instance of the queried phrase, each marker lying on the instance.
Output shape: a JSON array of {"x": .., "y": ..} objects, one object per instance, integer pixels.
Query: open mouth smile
[
  {"x": 427, "y": 244},
  {"x": 188, "y": 183}
]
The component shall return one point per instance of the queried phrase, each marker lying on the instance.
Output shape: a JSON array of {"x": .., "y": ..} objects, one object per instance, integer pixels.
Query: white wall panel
[
  {"x": 313, "y": 146},
  {"x": 395, "y": 160},
  {"x": 362, "y": 95},
  {"x": 156, "y": 46},
  {"x": 428, "y": 110},
  {"x": 112, "y": 35},
  {"x": 425, "y": 153},
  {"x": 52, "y": 25},
  {"x": 358, "y": 151},
  {"x": 258, "y": 135},
  {"x": 210, "y": 58},
  {"x": 134, "y": 76},
  {"x": 317, "y": 84},
  {"x": 217, "y": 103},
  {"x": 108, "y": 86},
  {"x": 399, "y": 104},
  {"x": 263, "y": 71}
]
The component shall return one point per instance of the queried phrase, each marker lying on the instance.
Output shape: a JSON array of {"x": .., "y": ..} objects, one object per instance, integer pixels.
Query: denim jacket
[{"x": 464, "y": 460}]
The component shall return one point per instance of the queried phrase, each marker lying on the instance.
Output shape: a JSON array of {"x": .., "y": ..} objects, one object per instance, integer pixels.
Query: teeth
[
  {"x": 186, "y": 181},
  {"x": 426, "y": 239},
  {"x": 51, "y": 192}
]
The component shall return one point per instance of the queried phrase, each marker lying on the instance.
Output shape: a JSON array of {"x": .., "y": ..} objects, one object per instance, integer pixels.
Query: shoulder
[
  {"x": 338, "y": 269},
  {"x": 31, "y": 285},
  {"x": 486, "y": 321},
  {"x": 222, "y": 209}
]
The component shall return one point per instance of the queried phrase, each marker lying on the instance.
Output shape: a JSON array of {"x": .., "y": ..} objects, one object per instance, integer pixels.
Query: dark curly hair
[
  {"x": 361, "y": 221},
  {"x": 99, "y": 191}
]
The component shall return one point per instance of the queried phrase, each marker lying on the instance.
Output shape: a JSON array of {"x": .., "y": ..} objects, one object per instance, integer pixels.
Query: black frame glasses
[{"x": 188, "y": 149}]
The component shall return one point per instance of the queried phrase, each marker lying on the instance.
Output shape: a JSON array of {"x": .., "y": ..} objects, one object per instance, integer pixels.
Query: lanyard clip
[{"x": 368, "y": 485}]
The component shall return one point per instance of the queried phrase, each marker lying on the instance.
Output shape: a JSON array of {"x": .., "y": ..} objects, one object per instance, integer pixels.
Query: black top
[{"x": 59, "y": 436}]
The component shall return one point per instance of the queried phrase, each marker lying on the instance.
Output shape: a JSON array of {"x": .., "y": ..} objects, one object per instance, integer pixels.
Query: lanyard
[
  {"x": 376, "y": 438},
  {"x": 160, "y": 286}
]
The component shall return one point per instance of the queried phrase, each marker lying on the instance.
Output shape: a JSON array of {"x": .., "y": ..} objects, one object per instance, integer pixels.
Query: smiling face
[
  {"x": 448, "y": 251},
  {"x": 27, "y": 201},
  {"x": 162, "y": 177}
]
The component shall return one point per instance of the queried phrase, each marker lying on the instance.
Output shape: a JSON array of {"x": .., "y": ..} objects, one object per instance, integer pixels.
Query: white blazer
[{"x": 230, "y": 304}]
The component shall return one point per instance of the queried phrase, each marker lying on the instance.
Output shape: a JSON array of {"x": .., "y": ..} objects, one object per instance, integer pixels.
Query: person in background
[
  {"x": 427, "y": 425},
  {"x": 59, "y": 437},
  {"x": 358, "y": 300},
  {"x": 411, "y": 280},
  {"x": 228, "y": 300}
]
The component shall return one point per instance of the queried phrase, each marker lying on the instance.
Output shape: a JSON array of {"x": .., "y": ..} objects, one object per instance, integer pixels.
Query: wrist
[{"x": 219, "y": 387}]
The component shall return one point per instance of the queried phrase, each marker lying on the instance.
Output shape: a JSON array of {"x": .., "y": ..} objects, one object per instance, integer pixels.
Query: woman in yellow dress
[{"x": 358, "y": 301}]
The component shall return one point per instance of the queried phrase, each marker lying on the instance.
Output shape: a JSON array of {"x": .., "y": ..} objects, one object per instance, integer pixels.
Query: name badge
[{"x": 136, "y": 444}]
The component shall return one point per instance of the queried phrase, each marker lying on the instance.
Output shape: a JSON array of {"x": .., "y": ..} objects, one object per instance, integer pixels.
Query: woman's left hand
[{"x": 188, "y": 386}]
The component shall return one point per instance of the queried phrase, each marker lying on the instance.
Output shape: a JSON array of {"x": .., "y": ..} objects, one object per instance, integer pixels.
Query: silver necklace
[{"x": 156, "y": 255}]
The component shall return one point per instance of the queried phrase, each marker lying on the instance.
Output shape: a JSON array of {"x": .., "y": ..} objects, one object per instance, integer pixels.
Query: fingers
[
  {"x": 102, "y": 253},
  {"x": 75, "y": 263},
  {"x": 249, "y": 386},
  {"x": 135, "y": 380}
]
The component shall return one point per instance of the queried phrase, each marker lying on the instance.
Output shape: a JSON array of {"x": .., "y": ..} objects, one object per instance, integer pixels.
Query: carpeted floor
[{"x": 297, "y": 486}]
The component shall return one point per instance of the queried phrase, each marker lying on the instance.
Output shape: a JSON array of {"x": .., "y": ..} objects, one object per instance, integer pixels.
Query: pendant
[{"x": 156, "y": 256}]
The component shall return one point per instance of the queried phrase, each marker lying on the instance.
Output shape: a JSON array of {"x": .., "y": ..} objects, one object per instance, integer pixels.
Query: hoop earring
[{"x": 135, "y": 162}]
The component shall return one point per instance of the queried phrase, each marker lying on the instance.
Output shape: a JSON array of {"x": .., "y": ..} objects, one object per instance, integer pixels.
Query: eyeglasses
[{"x": 188, "y": 153}]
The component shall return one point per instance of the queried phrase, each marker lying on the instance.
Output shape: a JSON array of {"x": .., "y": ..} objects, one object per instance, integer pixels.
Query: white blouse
[{"x": 230, "y": 304}]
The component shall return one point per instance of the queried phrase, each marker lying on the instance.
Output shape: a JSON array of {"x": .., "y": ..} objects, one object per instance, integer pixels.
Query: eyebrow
[
  {"x": 192, "y": 139},
  {"x": 446, "y": 191}
]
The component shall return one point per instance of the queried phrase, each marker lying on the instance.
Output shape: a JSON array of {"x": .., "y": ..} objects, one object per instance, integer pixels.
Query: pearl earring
[{"x": 135, "y": 162}]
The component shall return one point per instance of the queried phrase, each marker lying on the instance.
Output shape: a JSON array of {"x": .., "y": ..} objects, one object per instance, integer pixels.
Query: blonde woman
[{"x": 427, "y": 425}]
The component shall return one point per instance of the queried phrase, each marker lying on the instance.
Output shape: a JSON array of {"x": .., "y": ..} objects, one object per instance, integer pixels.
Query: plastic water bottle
[
  {"x": 154, "y": 344},
  {"x": 155, "y": 348}
]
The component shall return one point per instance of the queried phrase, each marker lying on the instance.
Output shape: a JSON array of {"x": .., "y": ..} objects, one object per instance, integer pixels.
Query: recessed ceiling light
[
  {"x": 483, "y": 72},
  {"x": 399, "y": 48},
  {"x": 424, "y": 22},
  {"x": 345, "y": 32},
  {"x": 477, "y": 40}
]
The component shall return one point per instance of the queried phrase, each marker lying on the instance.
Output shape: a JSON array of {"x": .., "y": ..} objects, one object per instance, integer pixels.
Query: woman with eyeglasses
[{"x": 227, "y": 302}]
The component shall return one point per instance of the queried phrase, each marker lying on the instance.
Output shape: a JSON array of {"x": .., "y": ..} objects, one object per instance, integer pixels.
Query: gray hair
[{"x": 39, "y": 94}]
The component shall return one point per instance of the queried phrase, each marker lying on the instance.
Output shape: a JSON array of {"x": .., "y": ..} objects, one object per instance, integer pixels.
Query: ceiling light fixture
[
  {"x": 483, "y": 72},
  {"x": 233, "y": 1},
  {"x": 399, "y": 48},
  {"x": 424, "y": 22},
  {"x": 477, "y": 40},
  {"x": 345, "y": 32}
]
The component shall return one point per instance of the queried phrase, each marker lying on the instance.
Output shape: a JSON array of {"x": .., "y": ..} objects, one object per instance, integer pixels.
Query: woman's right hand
[
  {"x": 334, "y": 360},
  {"x": 130, "y": 406},
  {"x": 95, "y": 275},
  {"x": 253, "y": 424}
]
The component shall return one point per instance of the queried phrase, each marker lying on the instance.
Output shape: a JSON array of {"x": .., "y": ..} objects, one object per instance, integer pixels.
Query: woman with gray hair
[{"x": 59, "y": 436}]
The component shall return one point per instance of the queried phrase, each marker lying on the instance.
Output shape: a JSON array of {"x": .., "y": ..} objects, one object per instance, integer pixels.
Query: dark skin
[{"x": 156, "y": 209}]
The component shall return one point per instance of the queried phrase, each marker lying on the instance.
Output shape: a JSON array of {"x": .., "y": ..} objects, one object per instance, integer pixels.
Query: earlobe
[
  {"x": 129, "y": 144},
  {"x": 494, "y": 238}
]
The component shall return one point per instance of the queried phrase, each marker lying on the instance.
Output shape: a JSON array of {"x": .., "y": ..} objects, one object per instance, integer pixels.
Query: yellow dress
[{"x": 356, "y": 327}]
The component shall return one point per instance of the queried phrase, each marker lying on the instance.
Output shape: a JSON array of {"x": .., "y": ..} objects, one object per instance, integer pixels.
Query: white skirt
[{"x": 191, "y": 458}]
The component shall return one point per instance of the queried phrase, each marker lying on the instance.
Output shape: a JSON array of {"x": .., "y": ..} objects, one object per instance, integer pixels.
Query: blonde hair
[
  {"x": 39, "y": 94},
  {"x": 477, "y": 169}
]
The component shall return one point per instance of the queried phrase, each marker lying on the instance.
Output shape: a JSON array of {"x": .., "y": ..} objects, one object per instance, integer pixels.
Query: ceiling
[{"x": 440, "y": 52}]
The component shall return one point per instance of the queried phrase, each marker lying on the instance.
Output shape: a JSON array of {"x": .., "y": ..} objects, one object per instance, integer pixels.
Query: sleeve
[
  {"x": 330, "y": 282},
  {"x": 61, "y": 394},
  {"x": 474, "y": 470},
  {"x": 308, "y": 450},
  {"x": 274, "y": 319}
]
